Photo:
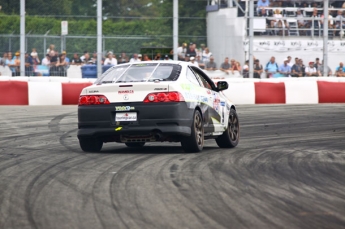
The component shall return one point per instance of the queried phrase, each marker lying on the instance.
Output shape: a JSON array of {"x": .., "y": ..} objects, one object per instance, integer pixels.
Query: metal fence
[{"x": 79, "y": 44}]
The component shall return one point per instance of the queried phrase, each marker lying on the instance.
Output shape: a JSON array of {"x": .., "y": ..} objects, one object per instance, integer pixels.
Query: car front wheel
[
  {"x": 231, "y": 135},
  {"x": 90, "y": 144},
  {"x": 195, "y": 142}
]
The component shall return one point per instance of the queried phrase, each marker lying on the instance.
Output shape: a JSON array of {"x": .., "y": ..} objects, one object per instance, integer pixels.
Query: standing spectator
[
  {"x": 53, "y": 70},
  {"x": 289, "y": 61},
  {"x": 296, "y": 70},
  {"x": 34, "y": 56},
  {"x": 200, "y": 62},
  {"x": 258, "y": 69},
  {"x": 206, "y": 55},
  {"x": 300, "y": 20},
  {"x": 181, "y": 52},
  {"x": 311, "y": 70},
  {"x": 4, "y": 59},
  {"x": 317, "y": 64},
  {"x": 9, "y": 59},
  {"x": 66, "y": 58},
  {"x": 187, "y": 58},
  {"x": 285, "y": 69},
  {"x": 235, "y": 67},
  {"x": 29, "y": 70},
  {"x": 202, "y": 49},
  {"x": 303, "y": 66},
  {"x": 340, "y": 70},
  {"x": 86, "y": 59},
  {"x": 46, "y": 60},
  {"x": 271, "y": 67},
  {"x": 83, "y": 56},
  {"x": 110, "y": 60},
  {"x": 35, "y": 61},
  {"x": 76, "y": 59},
  {"x": 193, "y": 62},
  {"x": 134, "y": 58},
  {"x": 158, "y": 56},
  {"x": 211, "y": 65},
  {"x": 14, "y": 64},
  {"x": 262, "y": 4},
  {"x": 51, "y": 48},
  {"x": 62, "y": 65},
  {"x": 93, "y": 59},
  {"x": 123, "y": 58},
  {"x": 328, "y": 69},
  {"x": 330, "y": 21},
  {"x": 146, "y": 57},
  {"x": 191, "y": 50},
  {"x": 225, "y": 66},
  {"x": 340, "y": 20}
]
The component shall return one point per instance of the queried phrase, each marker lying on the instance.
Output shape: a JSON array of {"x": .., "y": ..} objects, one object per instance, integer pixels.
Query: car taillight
[
  {"x": 92, "y": 100},
  {"x": 163, "y": 97}
]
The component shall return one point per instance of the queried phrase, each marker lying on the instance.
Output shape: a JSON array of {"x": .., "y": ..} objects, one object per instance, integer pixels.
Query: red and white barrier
[
  {"x": 307, "y": 90},
  {"x": 41, "y": 90},
  {"x": 65, "y": 91}
]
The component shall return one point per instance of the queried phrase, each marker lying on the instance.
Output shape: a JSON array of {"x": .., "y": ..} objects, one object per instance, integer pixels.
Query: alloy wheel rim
[
  {"x": 233, "y": 127},
  {"x": 198, "y": 130}
]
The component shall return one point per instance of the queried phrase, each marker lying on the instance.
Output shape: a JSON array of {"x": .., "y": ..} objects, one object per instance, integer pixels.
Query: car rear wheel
[
  {"x": 135, "y": 144},
  {"x": 90, "y": 144},
  {"x": 231, "y": 135},
  {"x": 195, "y": 142}
]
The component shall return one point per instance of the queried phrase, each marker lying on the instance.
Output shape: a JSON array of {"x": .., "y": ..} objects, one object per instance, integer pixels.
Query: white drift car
[{"x": 156, "y": 101}]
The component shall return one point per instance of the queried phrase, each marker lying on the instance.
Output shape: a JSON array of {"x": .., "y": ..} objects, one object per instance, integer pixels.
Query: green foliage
[{"x": 131, "y": 24}]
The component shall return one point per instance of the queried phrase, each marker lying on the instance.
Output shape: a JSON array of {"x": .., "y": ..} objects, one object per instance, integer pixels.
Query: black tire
[
  {"x": 195, "y": 142},
  {"x": 90, "y": 144},
  {"x": 231, "y": 135},
  {"x": 135, "y": 144}
]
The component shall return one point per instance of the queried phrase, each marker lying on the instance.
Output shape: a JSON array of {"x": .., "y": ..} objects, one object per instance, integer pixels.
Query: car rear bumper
[{"x": 167, "y": 119}]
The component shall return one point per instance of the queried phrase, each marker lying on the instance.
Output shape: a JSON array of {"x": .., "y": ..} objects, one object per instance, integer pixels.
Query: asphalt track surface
[{"x": 287, "y": 172}]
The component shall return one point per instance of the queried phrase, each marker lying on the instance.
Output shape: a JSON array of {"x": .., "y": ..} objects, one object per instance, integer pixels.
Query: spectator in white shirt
[
  {"x": 110, "y": 60},
  {"x": 206, "y": 55},
  {"x": 181, "y": 52},
  {"x": 311, "y": 70},
  {"x": 134, "y": 58},
  {"x": 46, "y": 60},
  {"x": 193, "y": 62}
]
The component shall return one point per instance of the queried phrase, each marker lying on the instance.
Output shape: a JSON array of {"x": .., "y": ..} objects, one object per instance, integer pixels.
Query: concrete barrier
[{"x": 65, "y": 91}]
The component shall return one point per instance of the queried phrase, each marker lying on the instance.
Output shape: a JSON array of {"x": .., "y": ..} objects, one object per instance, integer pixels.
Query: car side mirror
[{"x": 222, "y": 85}]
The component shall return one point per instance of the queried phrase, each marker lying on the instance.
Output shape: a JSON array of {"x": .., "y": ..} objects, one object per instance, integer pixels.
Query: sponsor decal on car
[{"x": 124, "y": 108}]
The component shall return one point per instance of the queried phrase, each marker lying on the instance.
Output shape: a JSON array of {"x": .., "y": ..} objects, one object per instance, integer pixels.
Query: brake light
[
  {"x": 92, "y": 100},
  {"x": 164, "y": 97}
]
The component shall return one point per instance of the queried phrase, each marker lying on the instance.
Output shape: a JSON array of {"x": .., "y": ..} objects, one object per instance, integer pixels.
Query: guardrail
[{"x": 66, "y": 91}]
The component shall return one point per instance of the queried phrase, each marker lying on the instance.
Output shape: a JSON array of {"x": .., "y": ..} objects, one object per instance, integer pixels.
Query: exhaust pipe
[{"x": 158, "y": 136}]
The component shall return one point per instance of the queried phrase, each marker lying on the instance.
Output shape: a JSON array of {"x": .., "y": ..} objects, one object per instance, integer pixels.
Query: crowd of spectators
[
  {"x": 308, "y": 14},
  {"x": 57, "y": 63},
  {"x": 293, "y": 69}
]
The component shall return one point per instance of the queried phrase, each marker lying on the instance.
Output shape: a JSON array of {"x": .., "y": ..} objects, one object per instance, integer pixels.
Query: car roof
[{"x": 182, "y": 63}]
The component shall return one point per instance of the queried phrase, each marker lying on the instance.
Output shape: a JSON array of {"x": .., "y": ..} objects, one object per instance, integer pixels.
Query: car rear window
[{"x": 141, "y": 72}]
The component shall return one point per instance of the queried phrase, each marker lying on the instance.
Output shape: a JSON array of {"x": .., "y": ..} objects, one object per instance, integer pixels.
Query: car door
[
  {"x": 216, "y": 105},
  {"x": 198, "y": 96}
]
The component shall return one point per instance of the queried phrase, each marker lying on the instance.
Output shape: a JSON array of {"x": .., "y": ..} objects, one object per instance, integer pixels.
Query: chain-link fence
[{"x": 128, "y": 26}]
